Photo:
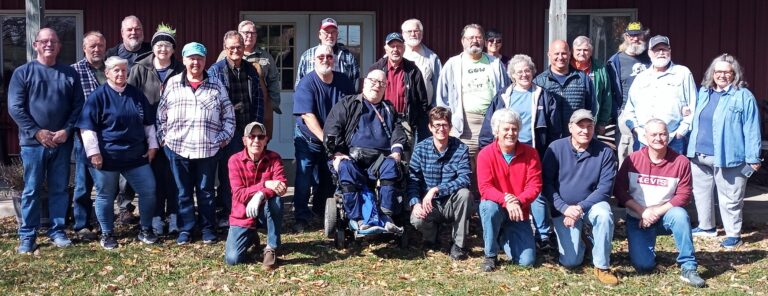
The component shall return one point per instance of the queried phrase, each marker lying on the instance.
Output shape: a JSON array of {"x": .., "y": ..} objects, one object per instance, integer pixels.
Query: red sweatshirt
[
  {"x": 652, "y": 184},
  {"x": 246, "y": 177},
  {"x": 521, "y": 177}
]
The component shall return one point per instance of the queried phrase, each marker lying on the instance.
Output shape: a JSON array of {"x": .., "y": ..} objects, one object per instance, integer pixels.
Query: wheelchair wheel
[{"x": 331, "y": 217}]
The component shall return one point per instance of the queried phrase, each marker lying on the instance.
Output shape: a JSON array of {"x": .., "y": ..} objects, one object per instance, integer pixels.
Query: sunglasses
[
  {"x": 324, "y": 57},
  {"x": 260, "y": 137}
]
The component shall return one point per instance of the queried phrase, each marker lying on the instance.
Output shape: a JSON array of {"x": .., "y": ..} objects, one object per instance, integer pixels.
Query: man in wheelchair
[{"x": 365, "y": 141}]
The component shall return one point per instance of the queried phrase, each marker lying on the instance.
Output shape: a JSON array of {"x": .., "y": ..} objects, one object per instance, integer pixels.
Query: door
[{"x": 286, "y": 35}]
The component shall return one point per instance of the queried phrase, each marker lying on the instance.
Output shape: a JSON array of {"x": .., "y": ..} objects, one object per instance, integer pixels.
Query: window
[
  {"x": 604, "y": 26},
  {"x": 278, "y": 40},
  {"x": 349, "y": 35}
]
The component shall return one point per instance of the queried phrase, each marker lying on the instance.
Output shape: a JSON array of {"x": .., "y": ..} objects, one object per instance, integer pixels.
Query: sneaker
[
  {"x": 27, "y": 245},
  {"x": 210, "y": 238},
  {"x": 126, "y": 217},
  {"x": 458, "y": 253},
  {"x": 108, "y": 242},
  {"x": 61, "y": 241},
  {"x": 704, "y": 232},
  {"x": 546, "y": 245},
  {"x": 184, "y": 238},
  {"x": 489, "y": 264},
  {"x": 392, "y": 228},
  {"x": 270, "y": 260},
  {"x": 605, "y": 276},
  {"x": 86, "y": 235},
  {"x": 147, "y": 236},
  {"x": 692, "y": 278},
  {"x": 731, "y": 243}
]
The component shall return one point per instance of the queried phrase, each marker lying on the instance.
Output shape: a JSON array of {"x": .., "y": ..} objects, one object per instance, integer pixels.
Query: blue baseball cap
[
  {"x": 193, "y": 48},
  {"x": 394, "y": 36}
]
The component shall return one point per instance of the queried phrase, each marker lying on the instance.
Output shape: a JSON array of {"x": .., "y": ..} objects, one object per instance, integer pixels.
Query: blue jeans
[
  {"x": 167, "y": 197},
  {"x": 354, "y": 177},
  {"x": 107, "y": 184},
  {"x": 642, "y": 241},
  {"x": 542, "y": 218},
  {"x": 311, "y": 173},
  {"x": 571, "y": 246},
  {"x": 516, "y": 237},
  {"x": 194, "y": 175},
  {"x": 42, "y": 163},
  {"x": 224, "y": 191},
  {"x": 83, "y": 204},
  {"x": 239, "y": 239}
]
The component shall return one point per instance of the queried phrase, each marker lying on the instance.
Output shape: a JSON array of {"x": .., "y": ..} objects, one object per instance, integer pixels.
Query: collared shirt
[
  {"x": 449, "y": 171},
  {"x": 87, "y": 76},
  {"x": 195, "y": 123},
  {"x": 395, "y": 91},
  {"x": 238, "y": 94},
  {"x": 247, "y": 177},
  {"x": 662, "y": 95},
  {"x": 344, "y": 62}
]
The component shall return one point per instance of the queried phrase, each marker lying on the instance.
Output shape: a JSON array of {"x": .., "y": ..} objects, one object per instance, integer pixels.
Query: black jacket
[
  {"x": 417, "y": 102},
  {"x": 144, "y": 76},
  {"x": 343, "y": 120}
]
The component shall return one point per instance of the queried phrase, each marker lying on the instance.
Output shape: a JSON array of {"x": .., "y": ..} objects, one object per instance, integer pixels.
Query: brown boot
[
  {"x": 270, "y": 260},
  {"x": 605, "y": 276}
]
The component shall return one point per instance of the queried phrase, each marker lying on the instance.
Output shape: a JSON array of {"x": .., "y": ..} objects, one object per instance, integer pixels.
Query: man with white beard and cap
[
  {"x": 666, "y": 91},
  {"x": 426, "y": 59}
]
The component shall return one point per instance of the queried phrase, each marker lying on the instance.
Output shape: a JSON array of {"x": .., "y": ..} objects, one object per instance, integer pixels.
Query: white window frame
[{"x": 78, "y": 14}]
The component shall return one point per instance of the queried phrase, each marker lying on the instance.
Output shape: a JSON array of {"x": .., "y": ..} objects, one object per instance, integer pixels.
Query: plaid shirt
[
  {"x": 448, "y": 171},
  {"x": 195, "y": 123},
  {"x": 344, "y": 62},
  {"x": 238, "y": 93},
  {"x": 87, "y": 78}
]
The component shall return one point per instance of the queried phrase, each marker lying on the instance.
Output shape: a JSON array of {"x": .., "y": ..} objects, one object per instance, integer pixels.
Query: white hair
[
  {"x": 413, "y": 20},
  {"x": 582, "y": 40},
  {"x": 114, "y": 61},
  {"x": 504, "y": 116},
  {"x": 127, "y": 18}
]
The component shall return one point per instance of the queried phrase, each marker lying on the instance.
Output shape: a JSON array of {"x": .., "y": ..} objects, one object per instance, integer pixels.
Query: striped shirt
[
  {"x": 344, "y": 62},
  {"x": 449, "y": 171},
  {"x": 195, "y": 123}
]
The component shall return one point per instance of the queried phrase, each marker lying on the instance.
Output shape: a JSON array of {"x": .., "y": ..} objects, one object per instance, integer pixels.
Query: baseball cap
[
  {"x": 328, "y": 22},
  {"x": 193, "y": 48},
  {"x": 249, "y": 128},
  {"x": 394, "y": 36},
  {"x": 580, "y": 115},
  {"x": 658, "y": 39},
  {"x": 634, "y": 28}
]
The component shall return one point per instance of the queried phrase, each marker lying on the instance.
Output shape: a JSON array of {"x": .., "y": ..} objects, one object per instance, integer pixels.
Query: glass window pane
[{"x": 277, "y": 39}]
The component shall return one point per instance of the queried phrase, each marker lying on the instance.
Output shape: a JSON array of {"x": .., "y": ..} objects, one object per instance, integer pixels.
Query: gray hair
[
  {"x": 323, "y": 47},
  {"x": 580, "y": 40},
  {"x": 233, "y": 34},
  {"x": 127, "y": 18},
  {"x": 520, "y": 58},
  {"x": 245, "y": 23},
  {"x": 93, "y": 33},
  {"x": 504, "y": 116},
  {"x": 114, "y": 61},
  {"x": 473, "y": 26},
  {"x": 413, "y": 20},
  {"x": 738, "y": 72}
]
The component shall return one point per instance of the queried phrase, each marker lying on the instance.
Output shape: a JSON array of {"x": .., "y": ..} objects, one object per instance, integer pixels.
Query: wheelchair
[{"x": 344, "y": 231}]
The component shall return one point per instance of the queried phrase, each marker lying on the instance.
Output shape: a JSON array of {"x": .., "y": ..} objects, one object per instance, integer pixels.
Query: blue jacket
[
  {"x": 546, "y": 123},
  {"x": 583, "y": 181},
  {"x": 219, "y": 70},
  {"x": 735, "y": 127},
  {"x": 576, "y": 93}
]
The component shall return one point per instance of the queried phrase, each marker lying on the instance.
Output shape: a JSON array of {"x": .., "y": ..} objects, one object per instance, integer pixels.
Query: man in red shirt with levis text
[{"x": 258, "y": 180}]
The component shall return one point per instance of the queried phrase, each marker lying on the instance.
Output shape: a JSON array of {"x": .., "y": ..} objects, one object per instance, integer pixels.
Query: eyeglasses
[
  {"x": 661, "y": 49},
  {"x": 521, "y": 72},
  {"x": 233, "y": 48},
  {"x": 49, "y": 41},
  {"x": 724, "y": 73},
  {"x": 494, "y": 40},
  {"x": 326, "y": 33},
  {"x": 160, "y": 45},
  {"x": 260, "y": 137},
  {"x": 473, "y": 37},
  {"x": 376, "y": 82},
  {"x": 440, "y": 126},
  {"x": 325, "y": 57},
  {"x": 248, "y": 32}
]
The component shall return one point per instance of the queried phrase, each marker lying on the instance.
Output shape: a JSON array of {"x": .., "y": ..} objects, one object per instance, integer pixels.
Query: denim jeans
[
  {"x": 239, "y": 239},
  {"x": 194, "y": 175},
  {"x": 516, "y": 237},
  {"x": 107, "y": 185},
  {"x": 571, "y": 246},
  {"x": 224, "y": 191},
  {"x": 642, "y": 241},
  {"x": 83, "y": 210},
  {"x": 390, "y": 201},
  {"x": 542, "y": 218},
  {"x": 42, "y": 163},
  {"x": 167, "y": 197},
  {"x": 312, "y": 172}
]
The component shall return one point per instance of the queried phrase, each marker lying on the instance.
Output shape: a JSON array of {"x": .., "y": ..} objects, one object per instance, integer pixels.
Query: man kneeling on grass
[
  {"x": 258, "y": 180},
  {"x": 654, "y": 184}
]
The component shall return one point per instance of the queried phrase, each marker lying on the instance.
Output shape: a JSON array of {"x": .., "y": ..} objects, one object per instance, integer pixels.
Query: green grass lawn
[{"x": 309, "y": 265}]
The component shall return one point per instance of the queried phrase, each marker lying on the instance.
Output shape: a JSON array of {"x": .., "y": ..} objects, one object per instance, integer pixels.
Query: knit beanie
[{"x": 164, "y": 33}]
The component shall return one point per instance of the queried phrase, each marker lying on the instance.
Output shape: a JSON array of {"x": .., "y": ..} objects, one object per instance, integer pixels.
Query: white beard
[
  {"x": 412, "y": 42},
  {"x": 635, "y": 49},
  {"x": 660, "y": 62}
]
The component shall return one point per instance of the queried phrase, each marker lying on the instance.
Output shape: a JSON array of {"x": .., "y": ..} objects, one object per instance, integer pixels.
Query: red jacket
[
  {"x": 247, "y": 177},
  {"x": 521, "y": 177}
]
